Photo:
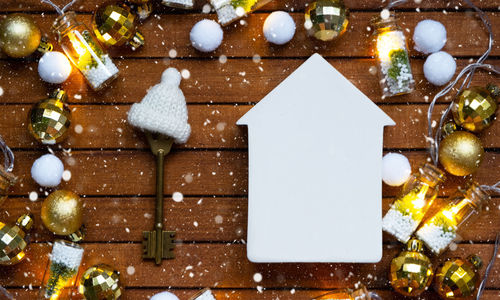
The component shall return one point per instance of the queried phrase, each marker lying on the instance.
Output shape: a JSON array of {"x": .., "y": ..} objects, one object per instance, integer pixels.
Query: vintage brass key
[{"x": 159, "y": 244}]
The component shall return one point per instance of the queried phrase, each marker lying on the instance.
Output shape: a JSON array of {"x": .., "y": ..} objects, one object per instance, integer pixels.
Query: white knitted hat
[{"x": 163, "y": 109}]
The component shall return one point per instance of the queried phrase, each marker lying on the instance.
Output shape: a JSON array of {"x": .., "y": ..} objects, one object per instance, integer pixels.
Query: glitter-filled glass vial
[
  {"x": 229, "y": 11},
  {"x": 60, "y": 275},
  {"x": 360, "y": 293},
  {"x": 84, "y": 51},
  {"x": 441, "y": 229},
  {"x": 391, "y": 52},
  {"x": 417, "y": 195}
]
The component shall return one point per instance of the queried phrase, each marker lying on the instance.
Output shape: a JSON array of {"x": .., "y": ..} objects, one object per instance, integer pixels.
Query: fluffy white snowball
[
  {"x": 439, "y": 68},
  {"x": 279, "y": 28},
  {"x": 206, "y": 35},
  {"x": 164, "y": 296},
  {"x": 47, "y": 170},
  {"x": 429, "y": 36},
  {"x": 54, "y": 67},
  {"x": 396, "y": 169}
]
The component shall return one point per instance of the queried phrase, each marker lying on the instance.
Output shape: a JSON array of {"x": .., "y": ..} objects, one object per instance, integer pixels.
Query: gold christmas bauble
[
  {"x": 411, "y": 271},
  {"x": 100, "y": 282},
  {"x": 475, "y": 107},
  {"x": 49, "y": 119},
  {"x": 19, "y": 35},
  {"x": 12, "y": 240},
  {"x": 458, "y": 278},
  {"x": 62, "y": 212},
  {"x": 461, "y": 153},
  {"x": 326, "y": 20},
  {"x": 114, "y": 26}
]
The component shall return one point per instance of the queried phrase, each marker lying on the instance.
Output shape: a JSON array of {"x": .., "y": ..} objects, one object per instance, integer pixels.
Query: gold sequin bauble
[
  {"x": 475, "y": 107},
  {"x": 12, "y": 240},
  {"x": 461, "y": 153},
  {"x": 326, "y": 19},
  {"x": 49, "y": 119},
  {"x": 62, "y": 212},
  {"x": 114, "y": 26},
  {"x": 411, "y": 271},
  {"x": 100, "y": 282},
  {"x": 19, "y": 35},
  {"x": 458, "y": 278}
]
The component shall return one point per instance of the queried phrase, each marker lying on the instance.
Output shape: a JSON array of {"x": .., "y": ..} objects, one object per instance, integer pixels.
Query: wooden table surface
[{"x": 113, "y": 169}]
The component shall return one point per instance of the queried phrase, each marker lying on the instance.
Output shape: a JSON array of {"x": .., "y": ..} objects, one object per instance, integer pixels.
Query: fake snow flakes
[
  {"x": 436, "y": 237},
  {"x": 399, "y": 225}
]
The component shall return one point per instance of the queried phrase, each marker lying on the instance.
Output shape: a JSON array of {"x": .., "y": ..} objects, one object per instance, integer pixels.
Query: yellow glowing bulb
[
  {"x": 387, "y": 42},
  {"x": 448, "y": 214},
  {"x": 20, "y": 256},
  {"x": 77, "y": 45}
]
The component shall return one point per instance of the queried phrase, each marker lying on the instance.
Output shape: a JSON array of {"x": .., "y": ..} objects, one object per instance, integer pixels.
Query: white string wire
[
  {"x": 480, "y": 290},
  {"x": 394, "y": 3},
  {"x": 57, "y": 8}
]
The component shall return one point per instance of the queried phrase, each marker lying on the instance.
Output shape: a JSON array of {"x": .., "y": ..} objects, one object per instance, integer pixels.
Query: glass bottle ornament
[
  {"x": 183, "y": 4},
  {"x": 142, "y": 8},
  {"x": 475, "y": 107},
  {"x": 114, "y": 25},
  {"x": 229, "y": 11},
  {"x": 84, "y": 51},
  {"x": 21, "y": 36},
  {"x": 417, "y": 195},
  {"x": 60, "y": 275},
  {"x": 441, "y": 229},
  {"x": 358, "y": 293},
  {"x": 100, "y": 282},
  {"x": 458, "y": 278},
  {"x": 326, "y": 20},
  {"x": 13, "y": 240},
  {"x": 391, "y": 52},
  {"x": 50, "y": 119},
  {"x": 411, "y": 271},
  {"x": 7, "y": 179}
]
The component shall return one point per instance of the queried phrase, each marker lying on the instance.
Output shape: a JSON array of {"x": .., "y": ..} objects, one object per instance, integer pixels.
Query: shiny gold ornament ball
[
  {"x": 12, "y": 240},
  {"x": 50, "y": 119},
  {"x": 458, "y": 278},
  {"x": 475, "y": 107},
  {"x": 326, "y": 20},
  {"x": 62, "y": 212},
  {"x": 19, "y": 35},
  {"x": 114, "y": 26},
  {"x": 461, "y": 153},
  {"x": 411, "y": 271},
  {"x": 100, "y": 282}
]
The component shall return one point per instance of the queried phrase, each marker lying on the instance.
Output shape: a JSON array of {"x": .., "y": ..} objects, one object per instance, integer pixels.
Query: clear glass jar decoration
[
  {"x": 441, "y": 229},
  {"x": 391, "y": 53},
  {"x": 60, "y": 275},
  {"x": 84, "y": 51},
  {"x": 417, "y": 195},
  {"x": 229, "y": 11},
  {"x": 360, "y": 293},
  {"x": 7, "y": 179}
]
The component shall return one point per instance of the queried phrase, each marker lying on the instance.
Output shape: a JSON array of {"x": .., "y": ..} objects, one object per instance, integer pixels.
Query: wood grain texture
[
  {"x": 113, "y": 170},
  {"x": 227, "y": 267}
]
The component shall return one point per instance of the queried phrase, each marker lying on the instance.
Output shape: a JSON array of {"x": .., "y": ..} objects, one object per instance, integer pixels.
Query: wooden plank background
[{"x": 113, "y": 170}]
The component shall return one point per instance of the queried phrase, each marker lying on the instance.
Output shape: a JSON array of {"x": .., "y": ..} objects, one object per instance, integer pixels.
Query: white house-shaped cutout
[{"x": 315, "y": 160}]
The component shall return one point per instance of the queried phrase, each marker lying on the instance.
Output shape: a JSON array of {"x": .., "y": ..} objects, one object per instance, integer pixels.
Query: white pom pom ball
[
  {"x": 429, "y": 36},
  {"x": 279, "y": 28},
  {"x": 54, "y": 67},
  {"x": 396, "y": 169},
  {"x": 164, "y": 296},
  {"x": 206, "y": 35},
  {"x": 47, "y": 170},
  {"x": 439, "y": 68}
]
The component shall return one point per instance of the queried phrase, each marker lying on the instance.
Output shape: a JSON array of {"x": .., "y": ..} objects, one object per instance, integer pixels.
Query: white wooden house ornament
[{"x": 315, "y": 160}]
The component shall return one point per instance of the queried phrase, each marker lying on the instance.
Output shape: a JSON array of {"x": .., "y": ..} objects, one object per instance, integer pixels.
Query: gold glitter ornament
[
  {"x": 326, "y": 19},
  {"x": 20, "y": 36},
  {"x": 475, "y": 107},
  {"x": 458, "y": 278},
  {"x": 411, "y": 271},
  {"x": 12, "y": 240},
  {"x": 49, "y": 119},
  {"x": 62, "y": 212},
  {"x": 461, "y": 153},
  {"x": 114, "y": 25},
  {"x": 100, "y": 282}
]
